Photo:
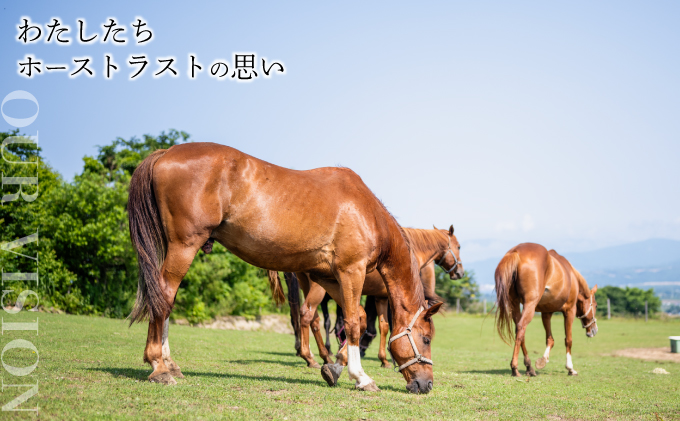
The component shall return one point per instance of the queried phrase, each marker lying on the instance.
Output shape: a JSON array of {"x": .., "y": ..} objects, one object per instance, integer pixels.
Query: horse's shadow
[
  {"x": 139, "y": 374},
  {"x": 286, "y": 363},
  {"x": 494, "y": 372}
]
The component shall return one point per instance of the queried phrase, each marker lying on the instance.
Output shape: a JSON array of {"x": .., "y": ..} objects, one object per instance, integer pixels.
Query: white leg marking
[
  {"x": 166, "y": 344},
  {"x": 354, "y": 367},
  {"x": 166, "y": 349},
  {"x": 546, "y": 354},
  {"x": 570, "y": 365}
]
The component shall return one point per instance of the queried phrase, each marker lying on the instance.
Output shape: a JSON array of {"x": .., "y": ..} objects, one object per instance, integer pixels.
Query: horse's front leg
[
  {"x": 349, "y": 287},
  {"x": 568, "y": 322}
]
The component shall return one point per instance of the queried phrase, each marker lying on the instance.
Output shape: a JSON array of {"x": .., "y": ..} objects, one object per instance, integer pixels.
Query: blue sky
[{"x": 525, "y": 121}]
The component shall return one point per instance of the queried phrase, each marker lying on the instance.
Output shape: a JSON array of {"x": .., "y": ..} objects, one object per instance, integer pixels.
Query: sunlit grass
[{"x": 92, "y": 368}]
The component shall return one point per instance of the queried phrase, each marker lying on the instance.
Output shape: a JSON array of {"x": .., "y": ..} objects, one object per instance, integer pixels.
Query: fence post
[
  {"x": 645, "y": 311},
  {"x": 609, "y": 309},
  {"x": 484, "y": 306},
  {"x": 457, "y": 305}
]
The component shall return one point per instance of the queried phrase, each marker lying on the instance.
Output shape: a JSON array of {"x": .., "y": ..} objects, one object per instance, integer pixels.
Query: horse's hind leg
[
  {"x": 172, "y": 366},
  {"x": 370, "y": 333},
  {"x": 521, "y": 321},
  {"x": 176, "y": 265},
  {"x": 314, "y": 294},
  {"x": 381, "y": 307},
  {"x": 326, "y": 320},
  {"x": 549, "y": 341}
]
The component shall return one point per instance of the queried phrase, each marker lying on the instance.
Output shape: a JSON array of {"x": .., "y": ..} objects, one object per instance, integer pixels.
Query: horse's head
[
  {"x": 586, "y": 309},
  {"x": 410, "y": 349},
  {"x": 450, "y": 262}
]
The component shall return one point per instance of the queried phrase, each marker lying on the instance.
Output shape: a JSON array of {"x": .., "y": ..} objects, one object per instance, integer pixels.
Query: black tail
[{"x": 148, "y": 238}]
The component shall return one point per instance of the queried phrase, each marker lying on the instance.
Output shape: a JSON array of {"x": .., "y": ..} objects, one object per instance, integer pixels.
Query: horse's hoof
[
  {"x": 313, "y": 365},
  {"x": 515, "y": 373},
  {"x": 331, "y": 373},
  {"x": 385, "y": 365},
  {"x": 531, "y": 372},
  {"x": 163, "y": 378},
  {"x": 541, "y": 362},
  {"x": 573, "y": 373},
  {"x": 371, "y": 387},
  {"x": 177, "y": 373}
]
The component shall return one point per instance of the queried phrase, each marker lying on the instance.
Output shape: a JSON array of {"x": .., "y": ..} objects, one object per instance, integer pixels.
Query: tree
[{"x": 465, "y": 289}]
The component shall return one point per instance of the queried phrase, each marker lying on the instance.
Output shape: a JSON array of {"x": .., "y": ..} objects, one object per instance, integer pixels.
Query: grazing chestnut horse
[
  {"x": 542, "y": 281},
  {"x": 324, "y": 222},
  {"x": 429, "y": 246}
]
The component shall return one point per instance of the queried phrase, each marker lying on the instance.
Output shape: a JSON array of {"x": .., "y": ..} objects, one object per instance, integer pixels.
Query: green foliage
[
  {"x": 450, "y": 290},
  {"x": 87, "y": 262},
  {"x": 627, "y": 300},
  {"x": 220, "y": 283}
]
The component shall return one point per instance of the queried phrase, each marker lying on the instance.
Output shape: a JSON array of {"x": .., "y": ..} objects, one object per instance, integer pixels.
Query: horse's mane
[
  {"x": 583, "y": 285},
  {"x": 423, "y": 239}
]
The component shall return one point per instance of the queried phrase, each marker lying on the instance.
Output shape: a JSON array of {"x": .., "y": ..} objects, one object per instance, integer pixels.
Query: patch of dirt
[
  {"x": 269, "y": 323},
  {"x": 648, "y": 354}
]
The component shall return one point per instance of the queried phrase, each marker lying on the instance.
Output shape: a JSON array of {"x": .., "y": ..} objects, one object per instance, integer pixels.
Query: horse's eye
[
  {"x": 458, "y": 247},
  {"x": 426, "y": 341}
]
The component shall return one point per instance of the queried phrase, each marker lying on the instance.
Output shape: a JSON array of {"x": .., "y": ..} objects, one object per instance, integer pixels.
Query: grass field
[{"x": 91, "y": 368}]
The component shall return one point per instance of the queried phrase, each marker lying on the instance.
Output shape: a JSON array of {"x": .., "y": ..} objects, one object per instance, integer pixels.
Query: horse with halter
[
  {"x": 542, "y": 281},
  {"x": 323, "y": 222},
  {"x": 429, "y": 246}
]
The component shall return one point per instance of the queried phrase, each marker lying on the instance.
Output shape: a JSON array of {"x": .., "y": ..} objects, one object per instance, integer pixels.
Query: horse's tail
[
  {"x": 506, "y": 273},
  {"x": 148, "y": 239},
  {"x": 276, "y": 288}
]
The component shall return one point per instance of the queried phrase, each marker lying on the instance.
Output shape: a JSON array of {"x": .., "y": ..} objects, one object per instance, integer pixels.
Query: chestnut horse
[
  {"x": 542, "y": 281},
  {"x": 429, "y": 246},
  {"x": 324, "y": 222}
]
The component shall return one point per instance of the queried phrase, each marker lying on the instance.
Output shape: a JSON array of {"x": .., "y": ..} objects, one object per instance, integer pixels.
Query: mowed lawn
[{"x": 91, "y": 368}]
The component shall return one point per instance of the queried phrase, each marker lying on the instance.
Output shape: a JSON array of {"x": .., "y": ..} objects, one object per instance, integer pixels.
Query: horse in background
[
  {"x": 542, "y": 281},
  {"x": 429, "y": 247},
  {"x": 323, "y": 222}
]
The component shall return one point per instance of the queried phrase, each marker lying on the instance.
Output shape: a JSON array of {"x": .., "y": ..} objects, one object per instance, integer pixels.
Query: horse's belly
[
  {"x": 281, "y": 253},
  {"x": 374, "y": 285},
  {"x": 551, "y": 301}
]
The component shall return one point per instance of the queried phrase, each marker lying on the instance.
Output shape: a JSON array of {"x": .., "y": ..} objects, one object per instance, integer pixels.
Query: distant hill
[
  {"x": 646, "y": 264},
  {"x": 647, "y": 253}
]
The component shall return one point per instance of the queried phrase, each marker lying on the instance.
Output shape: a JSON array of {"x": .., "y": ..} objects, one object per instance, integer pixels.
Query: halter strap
[
  {"x": 418, "y": 358},
  {"x": 455, "y": 260},
  {"x": 586, "y": 326}
]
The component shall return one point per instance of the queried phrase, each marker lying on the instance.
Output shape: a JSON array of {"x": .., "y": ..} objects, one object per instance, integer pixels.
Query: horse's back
[{"x": 258, "y": 209}]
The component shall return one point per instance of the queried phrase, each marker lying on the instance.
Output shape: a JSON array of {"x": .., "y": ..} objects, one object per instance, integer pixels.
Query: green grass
[{"x": 91, "y": 368}]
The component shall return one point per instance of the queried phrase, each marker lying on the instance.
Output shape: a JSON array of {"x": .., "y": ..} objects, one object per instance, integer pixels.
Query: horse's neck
[
  {"x": 402, "y": 281},
  {"x": 427, "y": 252}
]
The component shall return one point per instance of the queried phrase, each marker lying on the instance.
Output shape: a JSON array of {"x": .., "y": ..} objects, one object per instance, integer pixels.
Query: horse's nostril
[{"x": 429, "y": 385}]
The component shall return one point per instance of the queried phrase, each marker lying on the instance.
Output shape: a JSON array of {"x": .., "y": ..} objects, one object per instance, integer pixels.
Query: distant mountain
[
  {"x": 644, "y": 264},
  {"x": 647, "y": 253}
]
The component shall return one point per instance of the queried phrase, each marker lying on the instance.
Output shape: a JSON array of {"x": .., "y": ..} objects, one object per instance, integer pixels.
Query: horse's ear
[
  {"x": 432, "y": 310},
  {"x": 594, "y": 290},
  {"x": 451, "y": 230},
  {"x": 433, "y": 226}
]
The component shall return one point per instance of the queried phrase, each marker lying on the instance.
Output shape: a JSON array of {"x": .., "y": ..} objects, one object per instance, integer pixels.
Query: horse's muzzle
[
  {"x": 419, "y": 386},
  {"x": 592, "y": 332}
]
